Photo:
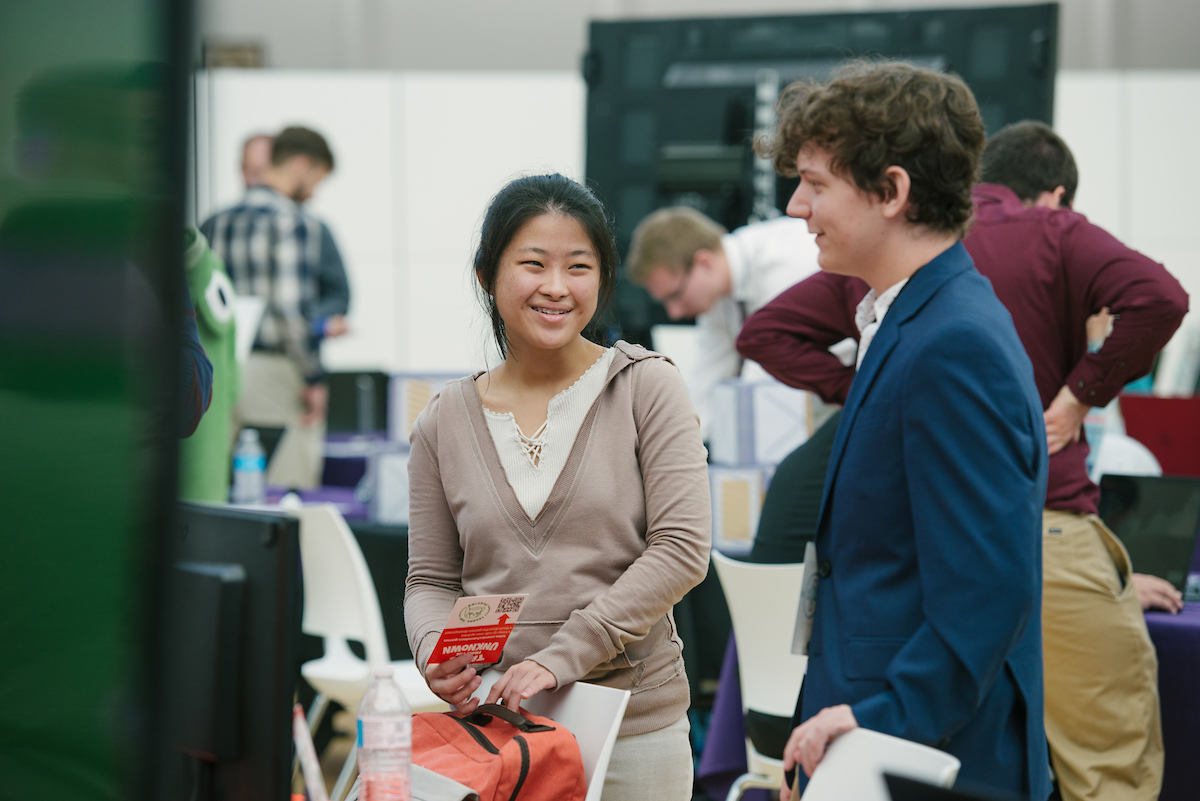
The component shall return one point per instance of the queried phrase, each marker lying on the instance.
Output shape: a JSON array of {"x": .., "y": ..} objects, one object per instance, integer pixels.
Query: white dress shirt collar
[{"x": 869, "y": 315}]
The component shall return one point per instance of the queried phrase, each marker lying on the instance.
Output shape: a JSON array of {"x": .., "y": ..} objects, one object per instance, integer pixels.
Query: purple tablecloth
[
  {"x": 346, "y": 457},
  {"x": 724, "y": 755},
  {"x": 341, "y": 497},
  {"x": 1176, "y": 639}
]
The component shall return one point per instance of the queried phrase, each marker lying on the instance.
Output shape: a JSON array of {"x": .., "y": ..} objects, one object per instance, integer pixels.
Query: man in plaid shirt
[{"x": 277, "y": 251}]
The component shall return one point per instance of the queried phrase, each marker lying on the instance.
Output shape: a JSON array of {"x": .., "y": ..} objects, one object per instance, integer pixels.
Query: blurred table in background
[
  {"x": 341, "y": 497},
  {"x": 346, "y": 457},
  {"x": 1177, "y": 641}
]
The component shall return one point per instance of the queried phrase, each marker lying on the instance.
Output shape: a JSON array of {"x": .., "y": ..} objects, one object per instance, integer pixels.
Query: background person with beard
[{"x": 276, "y": 250}]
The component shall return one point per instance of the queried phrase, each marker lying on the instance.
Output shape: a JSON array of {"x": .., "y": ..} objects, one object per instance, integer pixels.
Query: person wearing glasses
[{"x": 692, "y": 266}]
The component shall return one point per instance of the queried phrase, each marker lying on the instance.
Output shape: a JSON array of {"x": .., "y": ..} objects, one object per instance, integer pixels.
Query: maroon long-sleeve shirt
[{"x": 1052, "y": 269}]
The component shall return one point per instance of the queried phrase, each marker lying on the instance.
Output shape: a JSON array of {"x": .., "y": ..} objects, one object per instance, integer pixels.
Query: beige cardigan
[{"x": 624, "y": 534}]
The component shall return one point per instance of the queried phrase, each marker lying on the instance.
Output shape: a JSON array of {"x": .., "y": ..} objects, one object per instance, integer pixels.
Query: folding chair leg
[
  {"x": 749, "y": 781},
  {"x": 349, "y": 769},
  {"x": 316, "y": 711}
]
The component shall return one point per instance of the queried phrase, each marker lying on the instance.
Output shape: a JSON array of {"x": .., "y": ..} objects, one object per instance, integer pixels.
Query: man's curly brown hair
[{"x": 874, "y": 115}]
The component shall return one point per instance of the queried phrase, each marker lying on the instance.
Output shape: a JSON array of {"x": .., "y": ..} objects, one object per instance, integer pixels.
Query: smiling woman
[
  {"x": 548, "y": 285},
  {"x": 550, "y": 197},
  {"x": 572, "y": 472}
]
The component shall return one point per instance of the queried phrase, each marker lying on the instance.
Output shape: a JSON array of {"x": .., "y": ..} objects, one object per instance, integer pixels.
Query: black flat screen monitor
[
  {"x": 231, "y": 634},
  {"x": 901, "y": 788},
  {"x": 358, "y": 402},
  {"x": 673, "y": 104},
  {"x": 1157, "y": 518}
]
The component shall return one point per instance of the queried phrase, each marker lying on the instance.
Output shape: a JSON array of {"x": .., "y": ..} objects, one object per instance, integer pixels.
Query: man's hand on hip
[
  {"x": 1064, "y": 420},
  {"x": 806, "y": 747},
  {"x": 316, "y": 399}
]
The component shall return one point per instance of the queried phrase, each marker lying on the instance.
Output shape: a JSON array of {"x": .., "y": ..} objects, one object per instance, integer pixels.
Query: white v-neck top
[{"x": 532, "y": 464}]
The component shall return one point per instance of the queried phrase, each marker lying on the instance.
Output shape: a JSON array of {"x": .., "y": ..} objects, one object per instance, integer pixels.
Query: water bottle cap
[
  {"x": 248, "y": 434},
  {"x": 385, "y": 672}
]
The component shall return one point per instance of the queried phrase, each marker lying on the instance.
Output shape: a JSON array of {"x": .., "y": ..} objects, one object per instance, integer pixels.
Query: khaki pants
[
  {"x": 656, "y": 765},
  {"x": 1101, "y": 672},
  {"x": 271, "y": 396}
]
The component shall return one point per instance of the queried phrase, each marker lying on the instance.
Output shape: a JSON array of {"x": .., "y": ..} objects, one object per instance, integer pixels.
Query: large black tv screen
[{"x": 673, "y": 104}]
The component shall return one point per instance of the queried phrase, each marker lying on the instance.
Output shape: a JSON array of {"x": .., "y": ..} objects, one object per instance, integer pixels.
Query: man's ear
[
  {"x": 1049, "y": 199},
  {"x": 703, "y": 258},
  {"x": 896, "y": 186}
]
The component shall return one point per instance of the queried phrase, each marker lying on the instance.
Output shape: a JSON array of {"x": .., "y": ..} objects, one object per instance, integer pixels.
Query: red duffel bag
[{"x": 500, "y": 754}]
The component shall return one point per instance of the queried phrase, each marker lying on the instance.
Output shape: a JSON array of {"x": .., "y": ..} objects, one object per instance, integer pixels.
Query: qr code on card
[{"x": 509, "y": 604}]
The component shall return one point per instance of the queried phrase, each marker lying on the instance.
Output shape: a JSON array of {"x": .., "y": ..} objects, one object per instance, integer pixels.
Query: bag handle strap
[{"x": 482, "y": 716}]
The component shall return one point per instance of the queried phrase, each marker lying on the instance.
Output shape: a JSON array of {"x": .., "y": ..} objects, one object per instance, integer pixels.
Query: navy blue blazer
[{"x": 928, "y": 617}]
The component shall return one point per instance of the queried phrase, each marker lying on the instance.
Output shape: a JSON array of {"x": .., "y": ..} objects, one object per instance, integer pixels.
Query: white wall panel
[
  {"x": 464, "y": 135},
  {"x": 1133, "y": 136},
  {"x": 446, "y": 330},
  {"x": 418, "y": 157},
  {"x": 1162, "y": 110},
  {"x": 1164, "y": 113},
  {"x": 1088, "y": 116},
  {"x": 352, "y": 111}
]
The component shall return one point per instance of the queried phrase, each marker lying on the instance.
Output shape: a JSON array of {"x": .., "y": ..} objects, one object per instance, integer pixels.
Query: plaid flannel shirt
[{"x": 275, "y": 250}]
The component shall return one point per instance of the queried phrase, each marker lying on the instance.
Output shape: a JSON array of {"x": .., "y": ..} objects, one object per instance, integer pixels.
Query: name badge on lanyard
[{"x": 808, "y": 602}]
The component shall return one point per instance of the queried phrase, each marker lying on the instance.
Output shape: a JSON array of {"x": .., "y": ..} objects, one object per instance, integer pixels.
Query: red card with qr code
[{"x": 479, "y": 625}]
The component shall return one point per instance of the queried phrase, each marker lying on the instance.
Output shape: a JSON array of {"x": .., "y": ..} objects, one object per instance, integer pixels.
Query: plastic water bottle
[
  {"x": 249, "y": 469},
  {"x": 384, "y": 740}
]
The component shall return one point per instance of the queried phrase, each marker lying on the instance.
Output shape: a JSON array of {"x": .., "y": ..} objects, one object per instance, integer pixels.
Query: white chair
[
  {"x": 763, "y": 601},
  {"x": 340, "y": 605},
  {"x": 1123, "y": 455},
  {"x": 854, "y": 765},
  {"x": 591, "y": 712}
]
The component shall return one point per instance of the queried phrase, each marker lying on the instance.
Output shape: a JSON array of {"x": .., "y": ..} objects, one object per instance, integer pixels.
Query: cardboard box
[
  {"x": 408, "y": 395},
  {"x": 737, "y": 497},
  {"x": 757, "y": 422}
]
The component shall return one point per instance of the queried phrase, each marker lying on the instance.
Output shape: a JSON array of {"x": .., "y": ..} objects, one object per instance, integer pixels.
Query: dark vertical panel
[
  {"x": 661, "y": 93},
  {"x": 90, "y": 305}
]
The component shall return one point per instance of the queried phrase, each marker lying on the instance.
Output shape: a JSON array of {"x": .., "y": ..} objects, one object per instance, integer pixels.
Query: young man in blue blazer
[{"x": 927, "y": 619}]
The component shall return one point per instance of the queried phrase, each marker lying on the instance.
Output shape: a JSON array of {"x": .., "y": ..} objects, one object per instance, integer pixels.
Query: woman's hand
[
  {"x": 453, "y": 681},
  {"x": 521, "y": 682}
]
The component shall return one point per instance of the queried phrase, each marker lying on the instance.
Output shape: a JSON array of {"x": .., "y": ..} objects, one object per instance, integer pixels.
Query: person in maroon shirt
[{"x": 1053, "y": 270}]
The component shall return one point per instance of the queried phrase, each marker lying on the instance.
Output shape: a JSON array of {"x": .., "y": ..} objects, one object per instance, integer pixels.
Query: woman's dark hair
[
  {"x": 1030, "y": 158},
  {"x": 518, "y": 203}
]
